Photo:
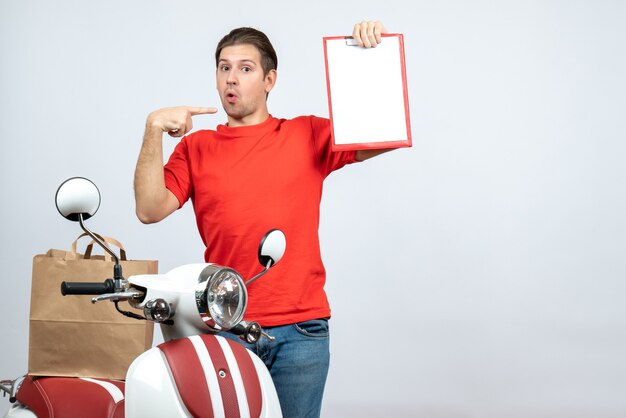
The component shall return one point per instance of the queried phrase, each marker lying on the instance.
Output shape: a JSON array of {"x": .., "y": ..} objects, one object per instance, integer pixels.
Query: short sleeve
[
  {"x": 329, "y": 160},
  {"x": 176, "y": 173}
]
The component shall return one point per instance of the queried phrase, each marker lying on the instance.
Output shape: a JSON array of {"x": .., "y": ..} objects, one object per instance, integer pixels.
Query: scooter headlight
[{"x": 221, "y": 297}]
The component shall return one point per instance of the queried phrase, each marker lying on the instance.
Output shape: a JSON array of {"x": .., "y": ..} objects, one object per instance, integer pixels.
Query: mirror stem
[
  {"x": 117, "y": 270},
  {"x": 269, "y": 264}
]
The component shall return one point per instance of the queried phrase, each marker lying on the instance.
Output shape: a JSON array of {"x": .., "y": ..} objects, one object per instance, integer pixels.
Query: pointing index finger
[{"x": 201, "y": 110}]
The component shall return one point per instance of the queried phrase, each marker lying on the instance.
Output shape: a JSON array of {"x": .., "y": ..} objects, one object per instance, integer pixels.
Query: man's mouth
[{"x": 231, "y": 97}]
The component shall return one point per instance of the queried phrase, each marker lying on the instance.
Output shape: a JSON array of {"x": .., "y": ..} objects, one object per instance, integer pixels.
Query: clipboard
[{"x": 368, "y": 99}]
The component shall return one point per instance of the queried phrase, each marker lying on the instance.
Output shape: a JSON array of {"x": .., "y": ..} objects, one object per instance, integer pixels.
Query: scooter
[{"x": 195, "y": 372}]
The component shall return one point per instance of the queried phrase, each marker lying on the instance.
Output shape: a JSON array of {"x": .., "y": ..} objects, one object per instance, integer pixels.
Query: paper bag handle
[{"x": 108, "y": 240}]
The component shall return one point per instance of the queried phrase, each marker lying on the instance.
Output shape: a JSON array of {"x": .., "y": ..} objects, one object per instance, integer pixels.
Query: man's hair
[{"x": 251, "y": 36}]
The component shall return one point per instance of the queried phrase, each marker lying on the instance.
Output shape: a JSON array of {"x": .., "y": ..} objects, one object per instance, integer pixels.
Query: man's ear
[{"x": 270, "y": 80}]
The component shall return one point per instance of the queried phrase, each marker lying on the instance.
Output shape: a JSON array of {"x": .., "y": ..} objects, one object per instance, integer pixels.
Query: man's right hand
[{"x": 176, "y": 121}]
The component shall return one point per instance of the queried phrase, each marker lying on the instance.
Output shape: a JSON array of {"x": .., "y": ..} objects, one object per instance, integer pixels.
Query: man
[{"x": 250, "y": 175}]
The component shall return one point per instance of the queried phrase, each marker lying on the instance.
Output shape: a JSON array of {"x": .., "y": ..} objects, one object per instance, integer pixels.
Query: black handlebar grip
[
  {"x": 238, "y": 329},
  {"x": 87, "y": 288}
]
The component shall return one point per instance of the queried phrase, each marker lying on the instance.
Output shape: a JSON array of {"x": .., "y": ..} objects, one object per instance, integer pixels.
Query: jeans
[{"x": 298, "y": 361}]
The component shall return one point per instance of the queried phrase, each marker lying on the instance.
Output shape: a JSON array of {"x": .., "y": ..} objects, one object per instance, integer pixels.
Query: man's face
[{"x": 241, "y": 84}]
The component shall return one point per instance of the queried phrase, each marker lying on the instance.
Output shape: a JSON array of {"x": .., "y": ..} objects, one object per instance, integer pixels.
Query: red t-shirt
[{"x": 244, "y": 181}]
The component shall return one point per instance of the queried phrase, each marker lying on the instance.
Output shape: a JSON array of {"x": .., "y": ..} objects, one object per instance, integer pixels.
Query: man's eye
[
  {"x": 225, "y": 68},
  {"x": 246, "y": 69}
]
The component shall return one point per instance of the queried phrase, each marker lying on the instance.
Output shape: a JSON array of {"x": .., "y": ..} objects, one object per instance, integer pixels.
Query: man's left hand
[{"x": 368, "y": 33}]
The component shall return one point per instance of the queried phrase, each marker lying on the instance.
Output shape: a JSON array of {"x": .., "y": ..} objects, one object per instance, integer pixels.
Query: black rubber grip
[
  {"x": 87, "y": 288},
  {"x": 238, "y": 329}
]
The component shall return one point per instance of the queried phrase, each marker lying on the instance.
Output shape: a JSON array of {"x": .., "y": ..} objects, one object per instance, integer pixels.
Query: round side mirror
[
  {"x": 272, "y": 247},
  {"x": 75, "y": 196}
]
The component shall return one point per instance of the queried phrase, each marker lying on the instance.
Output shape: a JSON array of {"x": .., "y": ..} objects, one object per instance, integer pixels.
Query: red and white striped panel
[{"x": 215, "y": 377}]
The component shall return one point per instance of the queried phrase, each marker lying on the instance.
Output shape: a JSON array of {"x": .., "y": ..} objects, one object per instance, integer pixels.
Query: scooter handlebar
[{"x": 87, "y": 288}]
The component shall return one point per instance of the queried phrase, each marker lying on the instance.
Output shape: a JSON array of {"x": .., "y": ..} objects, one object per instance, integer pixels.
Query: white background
[{"x": 480, "y": 273}]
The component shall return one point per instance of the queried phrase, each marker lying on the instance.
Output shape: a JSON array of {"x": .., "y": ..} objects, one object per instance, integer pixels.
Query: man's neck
[{"x": 249, "y": 120}]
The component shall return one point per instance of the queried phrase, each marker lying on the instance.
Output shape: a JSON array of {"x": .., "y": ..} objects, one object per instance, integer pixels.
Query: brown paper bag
[{"x": 69, "y": 335}]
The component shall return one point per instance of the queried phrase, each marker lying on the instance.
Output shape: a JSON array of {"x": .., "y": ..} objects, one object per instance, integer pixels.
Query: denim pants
[{"x": 298, "y": 361}]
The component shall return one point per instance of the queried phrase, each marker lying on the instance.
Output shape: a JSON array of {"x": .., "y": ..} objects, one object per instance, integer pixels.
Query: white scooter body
[
  {"x": 18, "y": 410},
  {"x": 152, "y": 391},
  {"x": 151, "y": 388},
  {"x": 178, "y": 288}
]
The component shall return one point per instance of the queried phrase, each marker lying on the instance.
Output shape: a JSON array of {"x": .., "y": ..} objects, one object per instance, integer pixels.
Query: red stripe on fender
[
  {"x": 227, "y": 386},
  {"x": 189, "y": 376},
  {"x": 250, "y": 378}
]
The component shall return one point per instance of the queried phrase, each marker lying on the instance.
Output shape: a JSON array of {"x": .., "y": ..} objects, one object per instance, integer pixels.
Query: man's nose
[{"x": 231, "y": 79}]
